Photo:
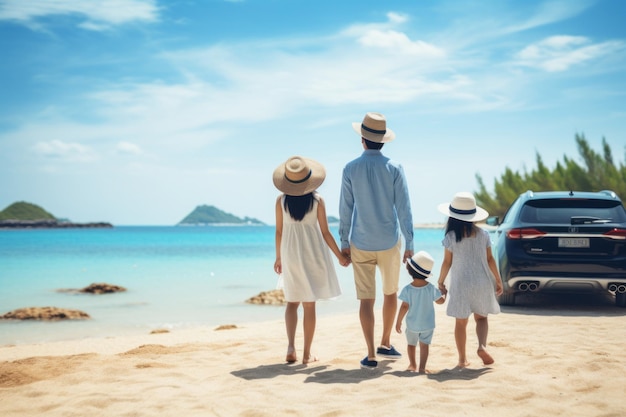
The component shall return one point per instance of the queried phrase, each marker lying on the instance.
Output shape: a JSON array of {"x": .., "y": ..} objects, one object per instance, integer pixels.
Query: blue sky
[{"x": 137, "y": 111}]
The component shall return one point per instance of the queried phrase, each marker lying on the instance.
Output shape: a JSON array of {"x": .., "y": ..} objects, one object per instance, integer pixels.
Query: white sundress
[
  {"x": 308, "y": 268},
  {"x": 471, "y": 283}
]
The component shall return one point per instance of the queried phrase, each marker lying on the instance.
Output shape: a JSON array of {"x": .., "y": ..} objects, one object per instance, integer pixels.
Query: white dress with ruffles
[{"x": 308, "y": 269}]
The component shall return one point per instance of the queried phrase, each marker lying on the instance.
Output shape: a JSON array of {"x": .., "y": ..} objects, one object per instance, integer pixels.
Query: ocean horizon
[{"x": 176, "y": 277}]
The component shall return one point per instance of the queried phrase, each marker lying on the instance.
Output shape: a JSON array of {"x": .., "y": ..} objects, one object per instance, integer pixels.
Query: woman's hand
[{"x": 499, "y": 288}]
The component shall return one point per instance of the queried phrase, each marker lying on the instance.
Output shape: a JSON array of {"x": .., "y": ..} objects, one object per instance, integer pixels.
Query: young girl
[
  {"x": 302, "y": 242},
  {"x": 468, "y": 259}
]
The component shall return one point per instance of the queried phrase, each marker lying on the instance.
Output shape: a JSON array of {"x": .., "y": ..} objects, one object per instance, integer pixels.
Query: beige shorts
[{"x": 364, "y": 265}]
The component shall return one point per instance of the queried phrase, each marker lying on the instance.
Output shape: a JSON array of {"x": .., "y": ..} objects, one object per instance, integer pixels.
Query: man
[{"x": 374, "y": 209}]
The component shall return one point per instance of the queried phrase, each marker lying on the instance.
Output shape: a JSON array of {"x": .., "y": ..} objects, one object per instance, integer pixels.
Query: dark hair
[
  {"x": 299, "y": 206},
  {"x": 412, "y": 272},
  {"x": 373, "y": 145},
  {"x": 460, "y": 228}
]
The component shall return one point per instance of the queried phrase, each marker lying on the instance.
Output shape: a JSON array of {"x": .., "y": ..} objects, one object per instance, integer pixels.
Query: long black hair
[
  {"x": 461, "y": 228},
  {"x": 299, "y": 206}
]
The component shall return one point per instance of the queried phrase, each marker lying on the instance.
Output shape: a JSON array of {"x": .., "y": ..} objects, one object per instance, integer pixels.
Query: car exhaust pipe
[
  {"x": 522, "y": 286},
  {"x": 613, "y": 287},
  {"x": 533, "y": 286},
  {"x": 621, "y": 288}
]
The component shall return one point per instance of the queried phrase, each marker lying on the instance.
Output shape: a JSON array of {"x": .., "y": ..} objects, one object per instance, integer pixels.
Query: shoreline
[{"x": 546, "y": 363}]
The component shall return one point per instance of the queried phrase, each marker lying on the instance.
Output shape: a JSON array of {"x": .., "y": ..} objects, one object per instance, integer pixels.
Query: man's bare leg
[{"x": 366, "y": 315}]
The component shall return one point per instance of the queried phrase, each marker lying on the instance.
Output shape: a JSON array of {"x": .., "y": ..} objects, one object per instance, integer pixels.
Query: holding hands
[
  {"x": 344, "y": 260},
  {"x": 442, "y": 288}
]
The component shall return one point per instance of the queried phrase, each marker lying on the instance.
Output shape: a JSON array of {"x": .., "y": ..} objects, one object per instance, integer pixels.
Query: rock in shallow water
[
  {"x": 95, "y": 288},
  {"x": 102, "y": 288},
  {"x": 45, "y": 313},
  {"x": 274, "y": 297}
]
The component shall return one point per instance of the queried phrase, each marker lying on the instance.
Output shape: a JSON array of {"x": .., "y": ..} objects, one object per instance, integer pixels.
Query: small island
[
  {"x": 23, "y": 215},
  {"x": 205, "y": 215}
]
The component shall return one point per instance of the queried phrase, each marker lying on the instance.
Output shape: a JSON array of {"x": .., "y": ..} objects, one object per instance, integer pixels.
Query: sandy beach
[{"x": 554, "y": 357}]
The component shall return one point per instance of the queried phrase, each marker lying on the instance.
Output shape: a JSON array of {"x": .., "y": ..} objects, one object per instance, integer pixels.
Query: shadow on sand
[
  {"x": 319, "y": 374},
  {"x": 272, "y": 371}
]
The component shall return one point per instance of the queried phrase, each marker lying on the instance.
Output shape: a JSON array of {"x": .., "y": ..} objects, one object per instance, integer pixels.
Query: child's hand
[
  {"x": 278, "y": 266},
  {"x": 399, "y": 327}
]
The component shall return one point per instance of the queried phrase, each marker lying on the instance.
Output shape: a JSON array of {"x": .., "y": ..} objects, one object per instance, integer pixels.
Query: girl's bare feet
[
  {"x": 311, "y": 358},
  {"x": 486, "y": 357},
  {"x": 411, "y": 369},
  {"x": 291, "y": 355},
  {"x": 464, "y": 364}
]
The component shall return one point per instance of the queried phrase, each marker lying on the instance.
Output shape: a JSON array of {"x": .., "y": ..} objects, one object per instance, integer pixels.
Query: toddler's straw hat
[
  {"x": 422, "y": 263},
  {"x": 463, "y": 207},
  {"x": 299, "y": 176},
  {"x": 374, "y": 128}
]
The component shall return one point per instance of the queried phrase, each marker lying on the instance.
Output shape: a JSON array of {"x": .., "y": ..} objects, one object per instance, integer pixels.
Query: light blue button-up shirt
[{"x": 374, "y": 206}]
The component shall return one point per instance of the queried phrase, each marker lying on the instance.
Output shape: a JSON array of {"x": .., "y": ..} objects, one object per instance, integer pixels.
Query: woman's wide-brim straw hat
[
  {"x": 374, "y": 128},
  {"x": 299, "y": 176},
  {"x": 463, "y": 207}
]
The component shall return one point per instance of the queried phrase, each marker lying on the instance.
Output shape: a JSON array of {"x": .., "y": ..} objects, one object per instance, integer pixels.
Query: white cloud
[
  {"x": 552, "y": 11},
  {"x": 397, "y": 17},
  {"x": 399, "y": 43},
  {"x": 128, "y": 148},
  {"x": 97, "y": 15},
  {"x": 68, "y": 151},
  {"x": 560, "y": 53}
]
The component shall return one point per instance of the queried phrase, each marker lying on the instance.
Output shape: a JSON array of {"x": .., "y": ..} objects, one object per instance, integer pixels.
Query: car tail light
[
  {"x": 616, "y": 233},
  {"x": 524, "y": 233}
]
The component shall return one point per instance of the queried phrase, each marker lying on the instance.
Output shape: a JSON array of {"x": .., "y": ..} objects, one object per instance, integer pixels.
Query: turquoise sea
[{"x": 176, "y": 277}]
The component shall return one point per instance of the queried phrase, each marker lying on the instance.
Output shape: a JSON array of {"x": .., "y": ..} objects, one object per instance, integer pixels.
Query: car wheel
[
  {"x": 620, "y": 299},
  {"x": 507, "y": 299}
]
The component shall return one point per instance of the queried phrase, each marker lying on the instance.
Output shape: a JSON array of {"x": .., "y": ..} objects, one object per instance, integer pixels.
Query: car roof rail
[{"x": 609, "y": 193}]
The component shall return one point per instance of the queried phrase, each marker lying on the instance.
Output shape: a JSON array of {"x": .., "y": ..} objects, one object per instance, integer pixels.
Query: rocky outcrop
[
  {"x": 226, "y": 327},
  {"x": 95, "y": 288},
  {"x": 102, "y": 288},
  {"x": 274, "y": 297},
  {"x": 49, "y": 224},
  {"x": 45, "y": 313},
  {"x": 211, "y": 215}
]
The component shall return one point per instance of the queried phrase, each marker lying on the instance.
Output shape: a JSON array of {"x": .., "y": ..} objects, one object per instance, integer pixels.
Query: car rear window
[{"x": 561, "y": 211}]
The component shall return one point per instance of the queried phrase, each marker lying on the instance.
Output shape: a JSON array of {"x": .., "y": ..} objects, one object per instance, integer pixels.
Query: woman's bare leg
[
  {"x": 309, "y": 321},
  {"x": 291, "y": 323}
]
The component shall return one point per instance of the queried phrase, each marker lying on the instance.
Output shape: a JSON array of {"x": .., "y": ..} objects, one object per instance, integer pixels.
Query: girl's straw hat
[
  {"x": 463, "y": 207},
  {"x": 422, "y": 263},
  {"x": 374, "y": 128},
  {"x": 299, "y": 176}
]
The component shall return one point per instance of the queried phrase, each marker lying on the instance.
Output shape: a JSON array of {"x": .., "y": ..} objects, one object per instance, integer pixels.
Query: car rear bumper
[{"x": 523, "y": 283}]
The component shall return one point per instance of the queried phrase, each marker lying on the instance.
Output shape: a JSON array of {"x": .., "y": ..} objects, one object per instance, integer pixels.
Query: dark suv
[{"x": 563, "y": 241}]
